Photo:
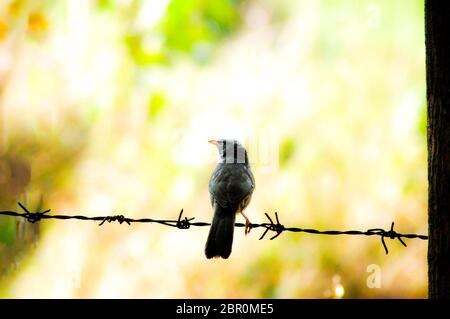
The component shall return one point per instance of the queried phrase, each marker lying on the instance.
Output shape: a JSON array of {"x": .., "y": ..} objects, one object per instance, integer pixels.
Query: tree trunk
[{"x": 437, "y": 41}]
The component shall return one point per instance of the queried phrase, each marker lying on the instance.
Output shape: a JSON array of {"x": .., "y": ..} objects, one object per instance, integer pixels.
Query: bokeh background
[{"x": 106, "y": 107}]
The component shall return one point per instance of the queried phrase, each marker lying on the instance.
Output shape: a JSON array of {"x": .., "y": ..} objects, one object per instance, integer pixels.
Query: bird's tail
[{"x": 220, "y": 238}]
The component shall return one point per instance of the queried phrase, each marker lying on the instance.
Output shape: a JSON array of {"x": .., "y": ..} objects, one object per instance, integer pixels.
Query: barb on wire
[
  {"x": 185, "y": 223},
  {"x": 278, "y": 228},
  {"x": 33, "y": 217},
  {"x": 392, "y": 234},
  {"x": 119, "y": 218}
]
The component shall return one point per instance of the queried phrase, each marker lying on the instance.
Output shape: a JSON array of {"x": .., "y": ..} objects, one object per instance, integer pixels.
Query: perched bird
[{"x": 230, "y": 188}]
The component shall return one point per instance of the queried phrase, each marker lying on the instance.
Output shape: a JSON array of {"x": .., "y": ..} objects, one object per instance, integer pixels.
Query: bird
[{"x": 230, "y": 188}]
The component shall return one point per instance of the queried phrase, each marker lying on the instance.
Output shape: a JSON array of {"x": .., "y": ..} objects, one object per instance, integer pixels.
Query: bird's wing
[
  {"x": 230, "y": 184},
  {"x": 218, "y": 186},
  {"x": 241, "y": 186}
]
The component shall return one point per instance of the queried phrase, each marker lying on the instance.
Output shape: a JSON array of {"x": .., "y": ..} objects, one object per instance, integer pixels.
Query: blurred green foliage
[
  {"x": 287, "y": 150},
  {"x": 7, "y": 232},
  {"x": 190, "y": 23},
  {"x": 191, "y": 27},
  {"x": 156, "y": 105}
]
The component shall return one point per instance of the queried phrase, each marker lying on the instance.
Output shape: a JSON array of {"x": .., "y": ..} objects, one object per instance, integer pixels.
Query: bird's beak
[{"x": 214, "y": 142}]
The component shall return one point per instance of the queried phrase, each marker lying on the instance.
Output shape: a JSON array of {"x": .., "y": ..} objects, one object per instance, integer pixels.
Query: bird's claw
[{"x": 248, "y": 227}]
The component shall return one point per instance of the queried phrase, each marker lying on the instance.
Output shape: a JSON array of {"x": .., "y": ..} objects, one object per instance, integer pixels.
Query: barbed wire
[{"x": 185, "y": 223}]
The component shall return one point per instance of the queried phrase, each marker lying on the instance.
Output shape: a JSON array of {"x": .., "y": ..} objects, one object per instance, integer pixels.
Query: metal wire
[{"x": 185, "y": 223}]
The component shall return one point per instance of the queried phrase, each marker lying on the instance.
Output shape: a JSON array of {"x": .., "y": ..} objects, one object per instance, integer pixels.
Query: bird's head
[{"x": 230, "y": 151}]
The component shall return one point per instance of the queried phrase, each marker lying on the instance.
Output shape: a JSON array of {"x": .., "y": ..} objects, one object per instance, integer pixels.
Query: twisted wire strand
[{"x": 185, "y": 223}]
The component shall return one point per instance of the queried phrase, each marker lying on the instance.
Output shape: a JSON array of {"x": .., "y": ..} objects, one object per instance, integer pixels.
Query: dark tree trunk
[{"x": 437, "y": 41}]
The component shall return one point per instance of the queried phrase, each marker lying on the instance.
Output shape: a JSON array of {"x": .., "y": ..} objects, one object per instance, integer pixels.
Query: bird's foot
[
  {"x": 247, "y": 224},
  {"x": 247, "y": 227}
]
